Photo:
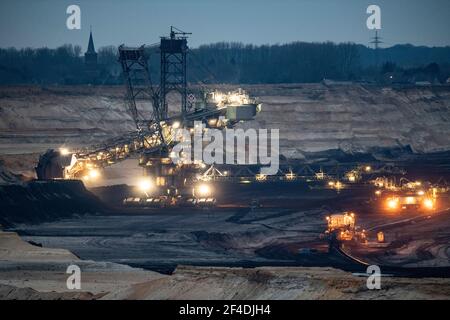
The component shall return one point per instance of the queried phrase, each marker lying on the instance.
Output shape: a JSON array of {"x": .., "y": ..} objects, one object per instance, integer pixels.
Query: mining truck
[{"x": 342, "y": 227}]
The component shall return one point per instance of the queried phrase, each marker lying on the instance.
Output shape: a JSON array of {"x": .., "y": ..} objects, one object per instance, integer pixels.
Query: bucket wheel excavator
[{"x": 153, "y": 139}]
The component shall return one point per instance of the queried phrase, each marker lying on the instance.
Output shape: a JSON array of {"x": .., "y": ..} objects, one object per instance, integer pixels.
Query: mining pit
[{"x": 235, "y": 250}]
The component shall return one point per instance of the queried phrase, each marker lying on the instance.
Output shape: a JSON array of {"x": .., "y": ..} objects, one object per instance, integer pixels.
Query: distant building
[
  {"x": 90, "y": 57},
  {"x": 92, "y": 70}
]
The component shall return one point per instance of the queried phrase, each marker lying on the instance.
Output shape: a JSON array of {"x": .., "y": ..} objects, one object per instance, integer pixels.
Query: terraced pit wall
[{"x": 311, "y": 117}]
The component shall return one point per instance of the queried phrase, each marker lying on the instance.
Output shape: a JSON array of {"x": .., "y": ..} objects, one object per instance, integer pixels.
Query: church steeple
[
  {"x": 91, "y": 48},
  {"x": 90, "y": 57}
]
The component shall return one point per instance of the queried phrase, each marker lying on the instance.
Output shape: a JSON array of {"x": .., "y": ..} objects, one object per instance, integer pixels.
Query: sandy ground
[
  {"x": 25, "y": 266},
  {"x": 28, "y": 272}
]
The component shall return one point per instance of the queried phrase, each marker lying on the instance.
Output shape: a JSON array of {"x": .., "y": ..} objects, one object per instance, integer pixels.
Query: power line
[{"x": 376, "y": 41}]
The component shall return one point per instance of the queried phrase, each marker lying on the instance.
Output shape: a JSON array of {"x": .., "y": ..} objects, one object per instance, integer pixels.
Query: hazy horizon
[{"x": 245, "y": 44}]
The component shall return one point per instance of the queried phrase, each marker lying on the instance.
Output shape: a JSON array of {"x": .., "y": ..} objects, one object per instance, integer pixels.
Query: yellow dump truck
[{"x": 342, "y": 226}]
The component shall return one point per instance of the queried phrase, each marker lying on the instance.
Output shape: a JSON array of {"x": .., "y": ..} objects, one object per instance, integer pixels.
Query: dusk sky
[{"x": 39, "y": 23}]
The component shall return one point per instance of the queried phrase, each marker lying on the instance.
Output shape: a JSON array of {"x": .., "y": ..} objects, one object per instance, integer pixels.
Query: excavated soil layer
[{"x": 39, "y": 201}]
